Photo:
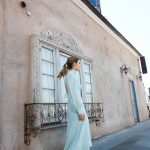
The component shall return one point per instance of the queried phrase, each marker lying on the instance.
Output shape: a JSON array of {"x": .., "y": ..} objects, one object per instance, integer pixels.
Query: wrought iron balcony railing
[{"x": 39, "y": 116}]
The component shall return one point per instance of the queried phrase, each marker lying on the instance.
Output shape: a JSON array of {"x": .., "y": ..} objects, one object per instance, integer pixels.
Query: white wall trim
[{"x": 84, "y": 8}]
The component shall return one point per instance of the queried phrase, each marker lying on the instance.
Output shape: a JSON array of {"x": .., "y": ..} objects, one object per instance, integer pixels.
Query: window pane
[
  {"x": 64, "y": 97},
  {"x": 89, "y": 98},
  {"x": 51, "y": 95},
  {"x": 86, "y": 68},
  {"x": 47, "y": 54},
  {"x": 44, "y": 81},
  {"x": 93, "y": 2},
  {"x": 87, "y": 78},
  {"x": 47, "y": 82},
  {"x": 88, "y": 88},
  {"x": 45, "y": 111},
  {"x": 50, "y": 82},
  {"x": 87, "y": 82},
  {"x": 47, "y": 96},
  {"x": 48, "y": 112},
  {"x": 47, "y": 77},
  {"x": 47, "y": 68},
  {"x": 63, "y": 60}
]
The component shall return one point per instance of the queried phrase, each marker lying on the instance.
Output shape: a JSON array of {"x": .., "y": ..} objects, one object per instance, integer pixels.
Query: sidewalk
[{"x": 136, "y": 137}]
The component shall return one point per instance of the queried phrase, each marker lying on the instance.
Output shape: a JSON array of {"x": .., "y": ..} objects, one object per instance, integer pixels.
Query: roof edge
[{"x": 100, "y": 16}]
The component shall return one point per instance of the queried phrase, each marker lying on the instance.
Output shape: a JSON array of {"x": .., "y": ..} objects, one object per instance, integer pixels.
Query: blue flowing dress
[{"x": 78, "y": 131}]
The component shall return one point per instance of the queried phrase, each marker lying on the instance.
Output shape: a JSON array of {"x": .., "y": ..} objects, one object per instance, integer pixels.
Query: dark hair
[{"x": 67, "y": 66}]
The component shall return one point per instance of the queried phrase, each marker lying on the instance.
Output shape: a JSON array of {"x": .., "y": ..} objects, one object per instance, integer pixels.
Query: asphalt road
[{"x": 136, "y": 137}]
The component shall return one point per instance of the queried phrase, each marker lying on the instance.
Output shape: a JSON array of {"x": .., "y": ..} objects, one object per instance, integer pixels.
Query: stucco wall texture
[{"x": 110, "y": 86}]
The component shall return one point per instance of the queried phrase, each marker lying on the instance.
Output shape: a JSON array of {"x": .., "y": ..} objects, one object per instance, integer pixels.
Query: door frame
[{"x": 136, "y": 104}]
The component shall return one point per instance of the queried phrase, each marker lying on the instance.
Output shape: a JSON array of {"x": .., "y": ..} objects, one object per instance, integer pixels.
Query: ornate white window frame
[{"x": 58, "y": 41}]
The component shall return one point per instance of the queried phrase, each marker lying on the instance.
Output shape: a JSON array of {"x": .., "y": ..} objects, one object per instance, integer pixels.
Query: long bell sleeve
[{"x": 75, "y": 93}]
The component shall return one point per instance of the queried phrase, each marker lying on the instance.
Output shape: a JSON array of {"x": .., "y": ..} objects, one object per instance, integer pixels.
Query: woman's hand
[{"x": 81, "y": 116}]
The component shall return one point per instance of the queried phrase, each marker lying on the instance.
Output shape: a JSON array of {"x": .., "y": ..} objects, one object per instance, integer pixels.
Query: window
[
  {"x": 63, "y": 93},
  {"x": 49, "y": 52},
  {"x": 87, "y": 82},
  {"x": 95, "y": 3},
  {"x": 47, "y": 75},
  {"x": 48, "y": 56},
  {"x": 47, "y": 81}
]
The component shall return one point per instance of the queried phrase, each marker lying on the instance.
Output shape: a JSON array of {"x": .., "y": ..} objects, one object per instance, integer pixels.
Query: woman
[{"x": 78, "y": 130}]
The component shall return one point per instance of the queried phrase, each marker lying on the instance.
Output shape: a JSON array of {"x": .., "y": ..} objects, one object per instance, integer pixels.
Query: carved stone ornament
[
  {"x": 58, "y": 40},
  {"x": 61, "y": 39}
]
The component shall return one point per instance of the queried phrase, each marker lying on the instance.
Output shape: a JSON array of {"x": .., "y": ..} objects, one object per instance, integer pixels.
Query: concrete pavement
[{"x": 136, "y": 137}]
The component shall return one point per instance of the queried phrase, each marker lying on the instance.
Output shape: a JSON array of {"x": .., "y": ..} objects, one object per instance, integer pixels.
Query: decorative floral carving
[
  {"x": 58, "y": 40},
  {"x": 62, "y": 39},
  {"x": 36, "y": 68}
]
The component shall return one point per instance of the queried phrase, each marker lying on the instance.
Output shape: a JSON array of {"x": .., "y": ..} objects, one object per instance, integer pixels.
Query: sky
[{"x": 131, "y": 18}]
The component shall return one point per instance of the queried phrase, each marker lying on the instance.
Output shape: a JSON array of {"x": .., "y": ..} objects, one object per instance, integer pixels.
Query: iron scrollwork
[{"x": 40, "y": 116}]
